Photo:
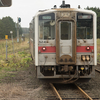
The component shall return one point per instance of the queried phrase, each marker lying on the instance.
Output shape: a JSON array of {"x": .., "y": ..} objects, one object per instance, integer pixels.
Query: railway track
[
  {"x": 79, "y": 94},
  {"x": 97, "y": 70}
]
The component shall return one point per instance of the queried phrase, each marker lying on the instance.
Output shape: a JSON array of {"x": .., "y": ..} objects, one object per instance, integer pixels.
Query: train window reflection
[{"x": 47, "y": 29}]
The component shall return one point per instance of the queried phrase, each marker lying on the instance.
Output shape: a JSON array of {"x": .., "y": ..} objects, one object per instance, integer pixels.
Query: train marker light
[
  {"x": 44, "y": 48},
  {"x": 87, "y": 48}
]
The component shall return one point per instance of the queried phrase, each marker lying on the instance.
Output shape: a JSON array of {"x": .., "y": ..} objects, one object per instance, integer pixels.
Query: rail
[
  {"x": 60, "y": 98},
  {"x": 84, "y": 92},
  {"x": 97, "y": 70},
  {"x": 56, "y": 92}
]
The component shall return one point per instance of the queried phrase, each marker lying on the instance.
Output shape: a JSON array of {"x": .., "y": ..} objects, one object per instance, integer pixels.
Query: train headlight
[
  {"x": 87, "y": 58},
  {"x": 83, "y": 58},
  {"x": 44, "y": 48}
]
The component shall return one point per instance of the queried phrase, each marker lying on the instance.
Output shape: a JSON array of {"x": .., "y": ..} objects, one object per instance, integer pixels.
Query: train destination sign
[
  {"x": 50, "y": 16},
  {"x": 46, "y": 17},
  {"x": 84, "y": 16}
]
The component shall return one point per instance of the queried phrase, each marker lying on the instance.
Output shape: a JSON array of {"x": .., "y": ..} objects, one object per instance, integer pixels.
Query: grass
[
  {"x": 20, "y": 60},
  {"x": 98, "y": 50}
]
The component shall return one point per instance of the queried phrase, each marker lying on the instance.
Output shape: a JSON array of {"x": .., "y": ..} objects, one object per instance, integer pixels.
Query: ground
[{"x": 25, "y": 86}]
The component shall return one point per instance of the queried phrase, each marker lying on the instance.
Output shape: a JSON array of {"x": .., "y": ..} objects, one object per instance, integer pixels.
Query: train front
[{"x": 66, "y": 44}]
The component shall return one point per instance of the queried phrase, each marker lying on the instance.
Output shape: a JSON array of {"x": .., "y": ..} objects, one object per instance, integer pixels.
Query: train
[{"x": 62, "y": 43}]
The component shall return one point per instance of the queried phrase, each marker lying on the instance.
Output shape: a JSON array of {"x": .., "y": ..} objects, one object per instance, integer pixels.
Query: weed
[{"x": 18, "y": 61}]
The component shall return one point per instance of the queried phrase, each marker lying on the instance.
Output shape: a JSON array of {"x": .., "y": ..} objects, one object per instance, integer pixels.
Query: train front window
[
  {"x": 84, "y": 26},
  {"x": 65, "y": 30},
  {"x": 47, "y": 27}
]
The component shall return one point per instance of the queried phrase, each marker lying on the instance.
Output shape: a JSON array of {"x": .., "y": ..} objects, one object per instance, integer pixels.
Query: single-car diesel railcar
[{"x": 63, "y": 44}]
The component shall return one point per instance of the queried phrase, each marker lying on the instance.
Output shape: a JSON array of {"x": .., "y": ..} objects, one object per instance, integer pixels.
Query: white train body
[{"x": 63, "y": 43}]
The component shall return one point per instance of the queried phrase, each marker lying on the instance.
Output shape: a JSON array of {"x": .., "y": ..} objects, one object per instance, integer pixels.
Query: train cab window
[
  {"x": 65, "y": 30},
  {"x": 47, "y": 26},
  {"x": 84, "y": 26}
]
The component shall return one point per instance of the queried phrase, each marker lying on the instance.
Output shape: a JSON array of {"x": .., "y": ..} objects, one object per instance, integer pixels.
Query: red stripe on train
[
  {"x": 83, "y": 49},
  {"x": 49, "y": 49},
  {"x": 52, "y": 49}
]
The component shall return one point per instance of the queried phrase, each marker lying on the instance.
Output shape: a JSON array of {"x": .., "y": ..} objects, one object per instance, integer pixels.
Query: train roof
[{"x": 66, "y": 9}]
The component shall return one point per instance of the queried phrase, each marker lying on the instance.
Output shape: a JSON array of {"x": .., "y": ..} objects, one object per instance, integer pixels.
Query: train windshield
[
  {"x": 84, "y": 26},
  {"x": 47, "y": 26}
]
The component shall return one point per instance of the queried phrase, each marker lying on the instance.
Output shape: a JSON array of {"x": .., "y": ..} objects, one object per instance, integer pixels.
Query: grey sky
[{"x": 26, "y": 9}]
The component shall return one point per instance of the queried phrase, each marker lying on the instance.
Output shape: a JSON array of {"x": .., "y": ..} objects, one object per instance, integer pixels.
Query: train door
[{"x": 66, "y": 45}]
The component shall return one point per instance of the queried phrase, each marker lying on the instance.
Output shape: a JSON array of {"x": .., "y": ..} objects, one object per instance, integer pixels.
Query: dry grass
[
  {"x": 17, "y": 46},
  {"x": 98, "y": 50},
  {"x": 19, "y": 60},
  {"x": 98, "y": 45}
]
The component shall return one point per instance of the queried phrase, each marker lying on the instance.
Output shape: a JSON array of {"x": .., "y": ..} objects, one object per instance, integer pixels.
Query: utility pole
[
  {"x": 11, "y": 32},
  {"x": 17, "y": 31},
  {"x": 18, "y": 21}
]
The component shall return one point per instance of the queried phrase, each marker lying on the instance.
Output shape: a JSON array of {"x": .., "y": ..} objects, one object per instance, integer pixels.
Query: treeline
[
  {"x": 97, "y": 10},
  {"x": 6, "y": 25}
]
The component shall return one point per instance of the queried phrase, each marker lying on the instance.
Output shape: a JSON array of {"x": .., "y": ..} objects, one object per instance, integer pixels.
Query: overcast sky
[{"x": 26, "y": 9}]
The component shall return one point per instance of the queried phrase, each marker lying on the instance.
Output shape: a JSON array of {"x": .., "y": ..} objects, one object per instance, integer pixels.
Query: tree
[
  {"x": 6, "y": 25},
  {"x": 1, "y": 29},
  {"x": 9, "y": 25}
]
